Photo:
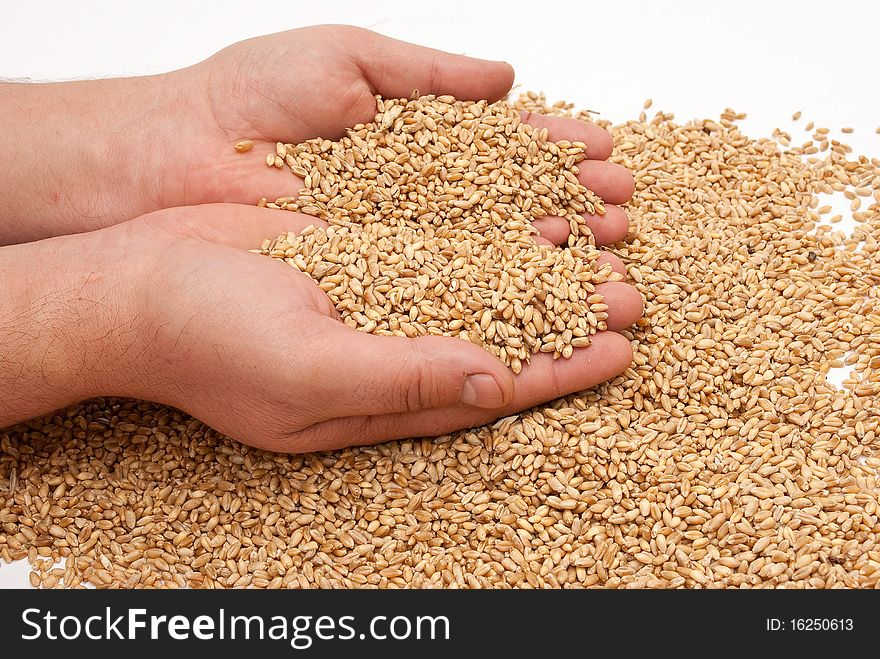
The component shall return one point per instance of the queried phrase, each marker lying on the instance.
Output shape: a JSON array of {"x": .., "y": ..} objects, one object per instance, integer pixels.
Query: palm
[
  {"x": 204, "y": 252},
  {"x": 255, "y": 348},
  {"x": 218, "y": 300}
]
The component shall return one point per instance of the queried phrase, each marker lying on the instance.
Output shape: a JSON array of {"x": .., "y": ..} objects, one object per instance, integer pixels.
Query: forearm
[
  {"x": 80, "y": 155},
  {"x": 66, "y": 325}
]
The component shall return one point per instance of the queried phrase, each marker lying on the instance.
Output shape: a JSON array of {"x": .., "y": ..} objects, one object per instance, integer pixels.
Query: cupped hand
[
  {"x": 318, "y": 81},
  {"x": 255, "y": 349},
  {"x": 130, "y": 146}
]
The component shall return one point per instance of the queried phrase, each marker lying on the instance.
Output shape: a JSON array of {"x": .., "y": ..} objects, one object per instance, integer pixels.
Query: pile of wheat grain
[
  {"x": 430, "y": 209},
  {"x": 722, "y": 458}
]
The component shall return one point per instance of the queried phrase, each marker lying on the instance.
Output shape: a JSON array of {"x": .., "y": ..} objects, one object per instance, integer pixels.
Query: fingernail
[{"x": 481, "y": 390}]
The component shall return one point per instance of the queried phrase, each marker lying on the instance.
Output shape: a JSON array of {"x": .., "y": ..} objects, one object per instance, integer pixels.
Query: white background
[{"x": 693, "y": 58}]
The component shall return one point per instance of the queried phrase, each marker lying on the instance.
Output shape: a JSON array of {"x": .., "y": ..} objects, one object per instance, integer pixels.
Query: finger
[
  {"x": 543, "y": 379},
  {"x": 612, "y": 182},
  {"x": 553, "y": 229},
  {"x": 603, "y": 259},
  {"x": 388, "y": 374},
  {"x": 607, "y": 229},
  {"x": 625, "y": 304},
  {"x": 597, "y": 139},
  {"x": 238, "y": 225},
  {"x": 612, "y": 260},
  {"x": 396, "y": 68}
]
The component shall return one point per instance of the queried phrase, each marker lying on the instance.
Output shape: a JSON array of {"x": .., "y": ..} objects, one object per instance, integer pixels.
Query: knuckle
[
  {"x": 415, "y": 388},
  {"x": 408, "y": 388},
  {"x": 435, "y": 77}
]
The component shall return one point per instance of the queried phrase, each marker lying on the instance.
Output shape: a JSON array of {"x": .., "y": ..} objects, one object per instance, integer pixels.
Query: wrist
[
  {"x": 112, "y": 333},
  {"x": 69, "y": 325},
  {"x": 85, "y": 154}
]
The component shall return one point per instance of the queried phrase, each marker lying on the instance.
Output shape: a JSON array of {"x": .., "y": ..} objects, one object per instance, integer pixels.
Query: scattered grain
[{"x": 722, "y": 457}]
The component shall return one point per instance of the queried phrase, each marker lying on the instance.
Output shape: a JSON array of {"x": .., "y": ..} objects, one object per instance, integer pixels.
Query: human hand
[
  {"x": 318, "y": 81},
  {"x": 275, "y": 370},
  {"x": 254, "y": 348},
  {"x": 125, "y": 147}
]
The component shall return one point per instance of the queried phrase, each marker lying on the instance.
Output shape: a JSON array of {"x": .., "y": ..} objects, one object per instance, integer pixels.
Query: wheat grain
[
  {"x": 430, "y": 207},
  {"x": 722, "y": 458}
]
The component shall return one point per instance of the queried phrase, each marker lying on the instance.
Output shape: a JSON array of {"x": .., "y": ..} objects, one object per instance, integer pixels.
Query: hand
[
  {"x": 125, "y": 147},
  {"x": 186, "y": 316},
  {"x": 318, "y": 81},
  {"x": 252, "y": 347}
]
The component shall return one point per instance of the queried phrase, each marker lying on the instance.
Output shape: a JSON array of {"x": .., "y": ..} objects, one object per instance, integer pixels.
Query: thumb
[
  {"x": 374, "y": 375},
  {"x": 396, "y": 68}
]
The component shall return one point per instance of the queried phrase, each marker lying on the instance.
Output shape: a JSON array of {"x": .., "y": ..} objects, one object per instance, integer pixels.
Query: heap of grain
[
  {"x": 722, "y": 458},
  {"x": 430, "y": 209}
]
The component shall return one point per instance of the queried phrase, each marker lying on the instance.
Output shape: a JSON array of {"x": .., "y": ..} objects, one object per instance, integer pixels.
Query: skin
[{"x": 172, "y": 307}]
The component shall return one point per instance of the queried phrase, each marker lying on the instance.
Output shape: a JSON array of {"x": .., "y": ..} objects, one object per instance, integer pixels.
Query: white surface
[
  {"x": 693, "y": 58},
  {"x": 15, "y": 575}
]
